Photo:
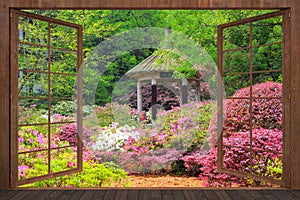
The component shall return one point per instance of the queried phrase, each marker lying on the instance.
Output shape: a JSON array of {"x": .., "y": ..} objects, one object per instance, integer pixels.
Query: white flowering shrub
[{"x": 113, "y": 137}]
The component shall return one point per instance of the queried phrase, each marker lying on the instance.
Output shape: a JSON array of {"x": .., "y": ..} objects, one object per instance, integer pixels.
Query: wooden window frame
[
  {"x": 285, "y": 14},
  {"x": 294, "y": 51},
  {"x": 15, "y": 14}
]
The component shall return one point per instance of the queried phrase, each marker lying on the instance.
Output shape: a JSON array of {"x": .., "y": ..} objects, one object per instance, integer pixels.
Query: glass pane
[
  {"x": 267, "y": 140},
  {"x": 267, "y": 31},
  {"x": 237, "y": 159},
  {"x": 33, "y": 111},
  {"x": 33, "y": 31},
  {"x": 33, "y": 138},
  {"x": 236, "y": 37},
  {"x": 32, "y": 165},
  {"x": 63, "y": 159},
  {"x": 32, "y": 84},
  {"x": 63, "y": 37},
  {"x": 62, "y": 85},
  {"x": 267, "y": 164},
  {"x": 63, "y": 61},
  {"x": 63, "y": 110},
  {"x": 268, "y": 84},
  {"x": 267, "y": 58},
  {"x": 236, "y": 82},
  {"x": 267, "y": 113},
  {"x": 32, "y": 58},
  {"x": 63, "y": 135},
  {"x": 237, "y": 134},
  {"x": 243, "y": 113},
  {"x": 236, "y": 61}
]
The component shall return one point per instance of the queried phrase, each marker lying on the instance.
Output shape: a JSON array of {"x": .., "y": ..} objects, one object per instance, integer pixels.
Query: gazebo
[{"x": 150, "y": 70}]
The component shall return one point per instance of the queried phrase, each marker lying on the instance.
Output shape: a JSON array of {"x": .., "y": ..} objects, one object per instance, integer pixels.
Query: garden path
[{"x": 162, "y": 181}]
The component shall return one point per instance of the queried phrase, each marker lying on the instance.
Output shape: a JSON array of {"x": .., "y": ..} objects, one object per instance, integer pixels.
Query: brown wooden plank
[
  {"x": 55, "y": 194},
  {"x": 155, "y": 194},
  {"x": 121, "y": 195},
  {"x": 110, "y": 194},
  {"x": 270, "y": 197},
  {"x": 234, "y": 194},
  {"x": 109, "y": 4},
  {"x": 295, "y": 96},
  {"x": 178, "y": 195},
  {"x": 20, "y": 195},
  {"x": 255, "y": 194},
  {"x": 68, "y": 192},
  {"x": 286, "y": 73},
  {"x": 167, "y": 195},
  {"x": 14, "y": 99},
  {"x": 188, "y": 194},
  {"x": 4, "y": 97},
  {"x": 199, "y": 194},
  {"x": 87, "y": 195},
  {"x": 150, "y": 194},
  {"x": 44, "y": 194},
  {"x": 8, "y": 195},
  {"x": 3, "y": 192},
  {"x": 243, "y": 194},
  {"x": 223, "y": 195},
  {"x": 64, "y": 197},
  {"x": 283, "y": 194},
  {"x": 210, "y": 194},
  {"x": 296, "y": 193},
  {"x": 32, "y": 195},
  {"x": 133, "y": 194},
  {"x": 99, "y": 195},
  {"x": 77, "y": 195}
]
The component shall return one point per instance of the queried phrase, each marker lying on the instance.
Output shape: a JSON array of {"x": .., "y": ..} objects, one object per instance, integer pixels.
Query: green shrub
[
  {"x": 65, "y": 108},
  {"x": 92, "y": 175},
  {"x": 190, "y": 118},
  {"x": 114, "y": 112}
]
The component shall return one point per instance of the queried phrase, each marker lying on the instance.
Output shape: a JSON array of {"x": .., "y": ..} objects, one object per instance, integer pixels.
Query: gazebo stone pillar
[
  {"x": 154, "y": 98},
  {"x": 184, "y": 94},
  {"x": 139, "y": 97}
]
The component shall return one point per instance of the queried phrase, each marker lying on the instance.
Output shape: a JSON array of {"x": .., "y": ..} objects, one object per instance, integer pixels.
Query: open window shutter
[{"x": 46, "y": 56}]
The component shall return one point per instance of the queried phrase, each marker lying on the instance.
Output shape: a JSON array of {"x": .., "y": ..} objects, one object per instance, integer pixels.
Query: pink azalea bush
[
  {"x": 266, "y": 133},
  {"x": 238, "y": 159},
  {"x": 267, "y": 113}
]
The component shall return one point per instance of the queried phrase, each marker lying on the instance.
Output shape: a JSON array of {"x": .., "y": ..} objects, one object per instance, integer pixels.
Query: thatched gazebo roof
[{"x": 150, "y": 68}]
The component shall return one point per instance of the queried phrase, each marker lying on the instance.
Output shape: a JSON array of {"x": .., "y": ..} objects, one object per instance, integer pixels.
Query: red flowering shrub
[
  {"x": 266, "y": 136},
  {"x": 68, "y": 133},
  {"x": 266, "y": 113},
  {"x": 264, "y": 163}
]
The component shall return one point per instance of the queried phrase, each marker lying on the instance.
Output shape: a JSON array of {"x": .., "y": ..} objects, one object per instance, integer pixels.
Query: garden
[
  {"x": 183, "y": 145},
  {"x": 122, "y": 146}
]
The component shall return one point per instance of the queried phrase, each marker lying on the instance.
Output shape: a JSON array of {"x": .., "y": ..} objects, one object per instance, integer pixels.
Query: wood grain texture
[
  {"x": 155, "y": 194},
  {"x": 4, "y": 97},
  {"x": 157, "y": 4},
  {"x": 150, "y": 4},
  {"x": 295, "y": 96}
]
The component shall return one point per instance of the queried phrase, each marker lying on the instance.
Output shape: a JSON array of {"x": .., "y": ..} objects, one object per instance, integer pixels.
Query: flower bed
[{"x": 181, "y": 142}]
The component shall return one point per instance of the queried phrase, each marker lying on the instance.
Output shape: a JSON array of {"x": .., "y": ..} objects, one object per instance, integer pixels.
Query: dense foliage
[
  {"x": 238, "y": 159},
  {"x": 199, "y": 26},
  {"x": 266, "y": 139},
  {"x": 182, "y": 140},
  {"x": 266, "y": 113},
  {"x": 177, "y": 145}
]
